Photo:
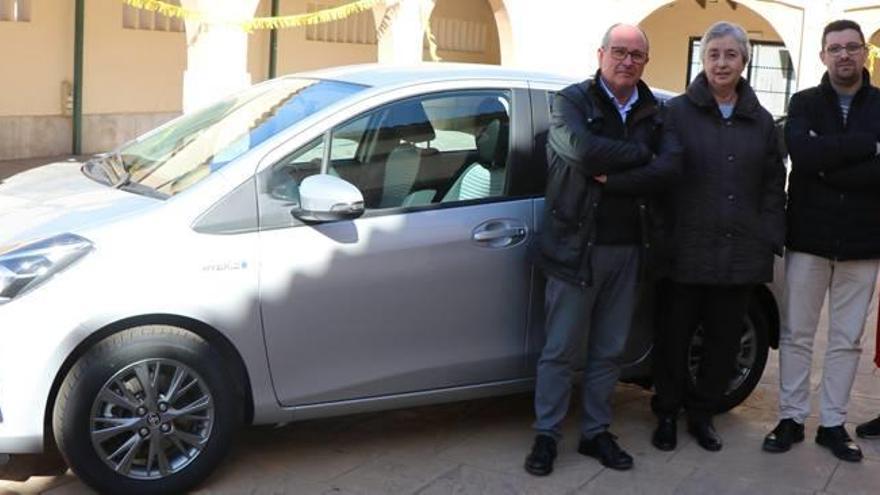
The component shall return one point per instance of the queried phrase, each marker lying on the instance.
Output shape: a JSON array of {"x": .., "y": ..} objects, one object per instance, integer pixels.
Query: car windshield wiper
[
  {"x": 112, "y": 168},
  {"x": 99, "y": 170},
  {"x": 122, "y": 180},
  {"x": 115, "y": 161},
  {"x": 114, "y": 172}
]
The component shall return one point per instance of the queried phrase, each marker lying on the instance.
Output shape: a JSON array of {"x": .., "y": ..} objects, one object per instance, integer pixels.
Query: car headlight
[{"x": 26, "y": 267}]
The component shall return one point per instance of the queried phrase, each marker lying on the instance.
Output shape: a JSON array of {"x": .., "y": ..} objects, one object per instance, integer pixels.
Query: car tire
[
  {"x": 148, "y": 410},
  {"x": 751, "y": 359}
]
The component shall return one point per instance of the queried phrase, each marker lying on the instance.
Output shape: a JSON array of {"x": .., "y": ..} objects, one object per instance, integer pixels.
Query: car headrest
[
  {"x": 492, "y": 145},
  {"x": 492, "y": 137},
  {"x": 410, "y": 122},
  {"x": 491, "y": 109}
]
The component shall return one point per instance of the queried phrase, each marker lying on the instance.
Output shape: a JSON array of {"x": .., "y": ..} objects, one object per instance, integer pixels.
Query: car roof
[{"x": 382, "y": 75}]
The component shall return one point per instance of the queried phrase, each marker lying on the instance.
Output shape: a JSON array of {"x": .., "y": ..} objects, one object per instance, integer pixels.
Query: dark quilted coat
[{"x": 728, "y": 207}]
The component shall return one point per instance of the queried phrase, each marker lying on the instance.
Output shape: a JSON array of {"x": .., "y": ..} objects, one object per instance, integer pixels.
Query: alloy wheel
[{"x": 151, "y": 419}]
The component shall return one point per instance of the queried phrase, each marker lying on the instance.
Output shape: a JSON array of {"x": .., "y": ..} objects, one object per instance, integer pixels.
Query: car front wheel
[{"x": 147, "y": 410}]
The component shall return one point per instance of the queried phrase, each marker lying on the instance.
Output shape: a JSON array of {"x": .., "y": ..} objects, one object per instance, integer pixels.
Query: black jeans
[{"x": 721, "y": 310}]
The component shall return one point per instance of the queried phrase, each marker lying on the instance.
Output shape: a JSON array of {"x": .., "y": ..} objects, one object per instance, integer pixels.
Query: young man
[
  {"x": 833, "y": 238},
  {"x": 600, "y": 151}
]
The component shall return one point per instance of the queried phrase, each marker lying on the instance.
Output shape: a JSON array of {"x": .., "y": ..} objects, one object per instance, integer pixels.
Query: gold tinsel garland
[
  {"x": 287, "y": 21},
  {"x": 873, "y": 56}
]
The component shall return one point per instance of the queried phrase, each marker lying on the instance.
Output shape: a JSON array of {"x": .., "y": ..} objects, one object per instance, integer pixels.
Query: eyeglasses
[
  {"x": 851, "y": 49},
  {"x": 619, "y": 53}
]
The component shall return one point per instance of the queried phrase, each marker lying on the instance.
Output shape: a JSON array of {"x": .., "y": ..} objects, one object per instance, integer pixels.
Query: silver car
[{"x": 327, "y": 243}]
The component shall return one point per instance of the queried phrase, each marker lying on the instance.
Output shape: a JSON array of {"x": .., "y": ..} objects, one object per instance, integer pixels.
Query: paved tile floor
[{"x": 477, "y": 447}]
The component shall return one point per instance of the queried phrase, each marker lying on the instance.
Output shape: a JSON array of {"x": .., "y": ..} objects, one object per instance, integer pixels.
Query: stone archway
[
  {"x": 674, "y": 31},
  {"x": 505, "y": 31},
  {"x": 467, "y": 31}
]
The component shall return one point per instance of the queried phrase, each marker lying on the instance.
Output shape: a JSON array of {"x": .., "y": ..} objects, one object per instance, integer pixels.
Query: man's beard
[{"x": 849, "y": 79}]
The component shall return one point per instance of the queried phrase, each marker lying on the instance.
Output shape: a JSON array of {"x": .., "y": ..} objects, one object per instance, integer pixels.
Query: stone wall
[{"x": 35, "y": 136}]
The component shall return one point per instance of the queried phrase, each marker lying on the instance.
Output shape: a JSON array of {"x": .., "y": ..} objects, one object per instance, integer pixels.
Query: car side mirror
[{"x": 325, "y": 198}]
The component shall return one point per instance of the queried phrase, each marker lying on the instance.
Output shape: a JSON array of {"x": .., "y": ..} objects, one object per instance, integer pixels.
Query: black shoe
[
  {"x": 666, "y": 435},
  {"x": 705, "y": 434},
  {"x": 871, "y": 429},
  {"x": 838, "y": 440},
  {"x": 539, "y": 462},
  {"x": 604, "y": 447},
  {"x": 787, "y": 432}
]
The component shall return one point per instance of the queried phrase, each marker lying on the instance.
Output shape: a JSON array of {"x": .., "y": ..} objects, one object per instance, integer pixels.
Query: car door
[{"x": 429, "y": 288}]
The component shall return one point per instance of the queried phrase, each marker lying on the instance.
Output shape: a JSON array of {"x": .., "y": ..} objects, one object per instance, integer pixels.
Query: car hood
[{"x": 58, "y": 198}]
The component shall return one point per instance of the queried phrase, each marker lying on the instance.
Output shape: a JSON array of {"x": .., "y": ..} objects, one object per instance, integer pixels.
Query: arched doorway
[
  {"x": 466, "y": 31},
  {"x": 675, "y": 30}
]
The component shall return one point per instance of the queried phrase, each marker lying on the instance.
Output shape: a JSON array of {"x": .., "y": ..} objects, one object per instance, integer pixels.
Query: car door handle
[{"x": 502, "y": 233}]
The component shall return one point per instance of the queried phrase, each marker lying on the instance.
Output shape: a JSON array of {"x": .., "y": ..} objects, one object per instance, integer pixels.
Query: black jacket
[
  {"x": 834, "y": 186},
  {"x": 588, "y": 138},
  {"x": 729, "y": 205}
]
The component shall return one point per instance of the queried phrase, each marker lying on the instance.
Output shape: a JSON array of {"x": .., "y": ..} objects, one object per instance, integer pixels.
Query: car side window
[
  {"x": 438, "y": 148},
  {"x": 431, "y": 149}
]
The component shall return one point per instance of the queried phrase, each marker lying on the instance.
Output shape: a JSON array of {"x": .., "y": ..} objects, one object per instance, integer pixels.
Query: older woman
[{"x": 727, "y": 221}]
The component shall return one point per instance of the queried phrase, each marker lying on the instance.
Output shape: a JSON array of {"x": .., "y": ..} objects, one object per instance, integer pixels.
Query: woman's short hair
[{"x": 723, "y": 28}]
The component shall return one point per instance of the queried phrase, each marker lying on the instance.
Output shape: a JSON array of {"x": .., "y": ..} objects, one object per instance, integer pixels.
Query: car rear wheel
[
  {"x": 750, "y": 359},
  {"x": 147, "y": 410}
]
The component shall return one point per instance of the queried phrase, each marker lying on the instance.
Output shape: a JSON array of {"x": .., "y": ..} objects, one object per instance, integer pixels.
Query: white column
[
  {"x": 816, "y": 16},
  {"x": 216, "y": 51},
  {"x": 401, "y": 30}
]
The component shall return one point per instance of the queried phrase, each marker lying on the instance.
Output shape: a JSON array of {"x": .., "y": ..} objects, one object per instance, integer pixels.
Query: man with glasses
[
  {"x": 833, "y": 238},
  {"x": 601, "y": 145}
]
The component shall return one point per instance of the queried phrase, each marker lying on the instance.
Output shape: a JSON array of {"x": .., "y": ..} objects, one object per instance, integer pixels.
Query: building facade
[{"x": 141, "y": 68}]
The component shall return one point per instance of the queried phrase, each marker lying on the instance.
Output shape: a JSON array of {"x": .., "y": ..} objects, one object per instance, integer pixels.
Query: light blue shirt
[
  {"x": 623, "y": 109},
  {"x": 726, "y": 109}
]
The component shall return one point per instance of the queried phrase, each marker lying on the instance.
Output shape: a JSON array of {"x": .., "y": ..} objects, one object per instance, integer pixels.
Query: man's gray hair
[
  {"x": 606, "y": 38},
  {"x": 723, "y": 28}
]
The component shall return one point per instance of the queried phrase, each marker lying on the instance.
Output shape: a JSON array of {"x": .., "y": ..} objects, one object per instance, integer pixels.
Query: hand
[
  {"x": 877, "y": 153},
  {"x": 813, "y": 133},
  {"x": 601, "y": 179}
]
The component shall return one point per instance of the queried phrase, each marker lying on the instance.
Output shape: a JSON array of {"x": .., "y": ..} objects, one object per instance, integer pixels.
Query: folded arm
[
  {"x": 813, "y": 153},
  {"x": 658, "y": 174},
  {"x": 571, "y": 138}
]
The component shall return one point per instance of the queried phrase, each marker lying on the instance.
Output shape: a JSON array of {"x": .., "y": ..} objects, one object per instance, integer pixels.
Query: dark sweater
[{"x": 834, "y": 185}]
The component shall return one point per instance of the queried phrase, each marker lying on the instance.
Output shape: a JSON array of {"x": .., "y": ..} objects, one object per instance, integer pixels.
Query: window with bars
[
  {"x": 133, "y": 18},
  {"x": 770, "y": 72},
  {"x": 358, "y": 29},
  {"x": 15, "y": 10}
]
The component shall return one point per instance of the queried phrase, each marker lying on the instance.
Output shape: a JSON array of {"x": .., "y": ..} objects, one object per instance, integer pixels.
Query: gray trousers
[
  {"x": 599, "y": 317},
  {"x": 850, "y": 288}
]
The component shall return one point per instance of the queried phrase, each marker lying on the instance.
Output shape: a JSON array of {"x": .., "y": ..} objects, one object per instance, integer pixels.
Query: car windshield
[{"x": 194, "y": 146}]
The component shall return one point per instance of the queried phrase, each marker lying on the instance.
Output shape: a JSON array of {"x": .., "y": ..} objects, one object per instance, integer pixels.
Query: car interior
[{"x": 406, "y": 155}]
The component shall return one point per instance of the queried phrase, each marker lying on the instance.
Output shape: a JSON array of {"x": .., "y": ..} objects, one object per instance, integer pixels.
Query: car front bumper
[{"x": 36, "y": 334}]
